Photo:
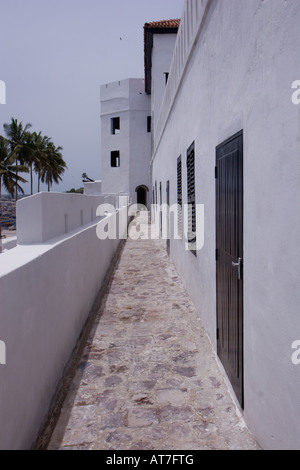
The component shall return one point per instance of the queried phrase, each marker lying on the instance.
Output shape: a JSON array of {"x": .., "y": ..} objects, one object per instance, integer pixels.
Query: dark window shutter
[
  {"x": 179, "y": 194},
  {"x": 190, "y": 163}
]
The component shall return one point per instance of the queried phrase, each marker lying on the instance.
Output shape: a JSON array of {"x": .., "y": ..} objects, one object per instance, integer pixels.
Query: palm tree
[
  {"x": 16, "y": 136},
  {"x": 29, "y": 155},
  {"x": 40, "y": 154},
  {"x": 8, "y": 169},
  {"x": 54, "y": 167},
  {"x": 35, "y": 153}
]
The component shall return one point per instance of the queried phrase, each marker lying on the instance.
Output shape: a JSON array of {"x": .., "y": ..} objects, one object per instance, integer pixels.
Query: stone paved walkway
[{"x": 148, "y": 378}]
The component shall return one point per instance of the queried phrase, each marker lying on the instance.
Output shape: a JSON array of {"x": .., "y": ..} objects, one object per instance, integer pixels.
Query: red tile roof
[{"x": 164, "y": 24}]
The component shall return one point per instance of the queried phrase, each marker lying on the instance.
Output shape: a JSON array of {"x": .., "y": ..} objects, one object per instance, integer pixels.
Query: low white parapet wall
[
  {"x": 48, "y": 215},
  {"x": 9, "y": 243},
  {"x": 47, "y": 291},
  {"x": 92, "y": 188}
]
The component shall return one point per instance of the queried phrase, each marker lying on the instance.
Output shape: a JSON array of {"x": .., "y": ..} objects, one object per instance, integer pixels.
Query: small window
[
  {"x": 115, "y": 159},
  {"x": 115, "y": 125},
  {"x": 166, "y": 77},
  {"x": 149, "y": 123}
]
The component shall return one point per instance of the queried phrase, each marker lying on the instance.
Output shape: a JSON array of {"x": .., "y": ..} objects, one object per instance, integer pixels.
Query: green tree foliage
[
  {"x": 32, "y": 153},
  {"x": 9, "y": 178}
]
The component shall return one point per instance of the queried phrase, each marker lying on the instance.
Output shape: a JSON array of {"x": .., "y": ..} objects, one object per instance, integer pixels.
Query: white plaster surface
[
  {"x": 93, "y": 188},
  {"x": 125, "y": 99},
  {"x": 47, "y": 291},
  {"x": 238, "y": 74},
  {"x": 162, "y": 53},
  {"x": 48, "y": 215},
  {"x": 9, "y": 243}
]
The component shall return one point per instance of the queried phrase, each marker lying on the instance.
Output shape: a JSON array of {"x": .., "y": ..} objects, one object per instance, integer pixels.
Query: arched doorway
[{"x": 141, "y": 197}]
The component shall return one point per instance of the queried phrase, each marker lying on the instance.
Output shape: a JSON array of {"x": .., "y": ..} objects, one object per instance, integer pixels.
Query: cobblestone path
[{"x": 148, "y": 378}]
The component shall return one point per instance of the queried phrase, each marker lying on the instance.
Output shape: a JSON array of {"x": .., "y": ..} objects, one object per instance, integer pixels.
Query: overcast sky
[{"x": 55, "y": 54}]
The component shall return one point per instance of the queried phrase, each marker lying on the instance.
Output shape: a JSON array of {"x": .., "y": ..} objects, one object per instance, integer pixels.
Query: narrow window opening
[
  {"x": 115, "y": 159},
  {"x": 166, "y": 77},
  {"x": 149, "y": 123},
  {"x": 115, "y": 126}
]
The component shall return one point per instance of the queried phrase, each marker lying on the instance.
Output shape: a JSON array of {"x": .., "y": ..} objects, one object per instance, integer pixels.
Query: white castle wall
[
  {"x": 233, "y": 68},
  {"x": 162, "y": 53},
  {"x": 125, "y": 99},
  {"x": 49, "y": 215},
  {"x": 47, "y": 291}
]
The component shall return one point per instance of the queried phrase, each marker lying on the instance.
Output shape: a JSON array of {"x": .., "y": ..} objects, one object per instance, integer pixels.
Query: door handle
[{"x": 239, "y": 266}]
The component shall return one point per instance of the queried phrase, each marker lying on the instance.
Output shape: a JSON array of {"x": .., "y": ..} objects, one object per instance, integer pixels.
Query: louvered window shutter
[{"x": 190, "y": 163}]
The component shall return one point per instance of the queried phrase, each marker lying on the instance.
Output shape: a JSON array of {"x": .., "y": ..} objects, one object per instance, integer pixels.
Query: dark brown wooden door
[{"x": 229, "y": 259}]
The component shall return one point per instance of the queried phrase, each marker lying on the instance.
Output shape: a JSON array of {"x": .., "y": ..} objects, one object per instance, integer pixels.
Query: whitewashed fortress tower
[
  {"x": 126, "y": 139},
  {"x": 129, "y": 113}
]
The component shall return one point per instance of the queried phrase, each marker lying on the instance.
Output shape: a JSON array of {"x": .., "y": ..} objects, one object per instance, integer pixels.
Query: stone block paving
[{"x": 148, "y": 378}]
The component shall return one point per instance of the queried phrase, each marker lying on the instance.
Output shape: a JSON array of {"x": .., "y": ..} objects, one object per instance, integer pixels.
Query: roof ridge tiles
[{"x": 174, "y": 23}]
